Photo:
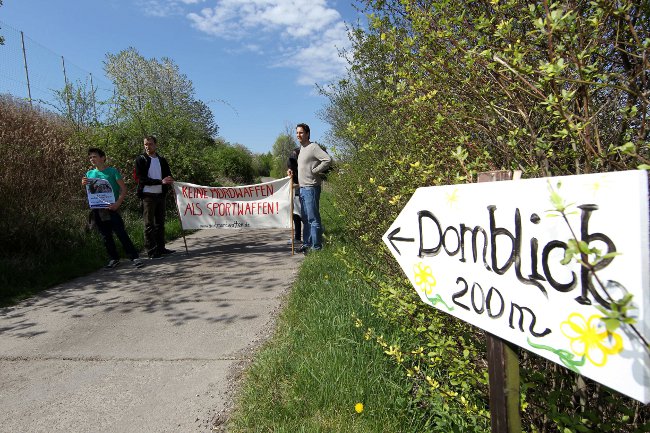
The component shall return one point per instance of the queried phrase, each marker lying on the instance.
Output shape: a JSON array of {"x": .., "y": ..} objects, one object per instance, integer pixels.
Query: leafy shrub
[
  {"x": 40, "y": 187},
  {"x": 439, "y": 91}
]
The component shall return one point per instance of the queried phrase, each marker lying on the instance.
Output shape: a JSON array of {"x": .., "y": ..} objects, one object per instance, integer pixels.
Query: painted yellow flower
[
  {"x": 358, "y": 407},
  {"x": 424, "y": 278},
  {"x": 589, "y": 338},
  {"x": 452, "y": 198}
]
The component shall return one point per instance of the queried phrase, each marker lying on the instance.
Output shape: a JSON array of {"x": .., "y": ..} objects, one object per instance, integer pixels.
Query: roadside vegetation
[{"x": 439, "y": 91}]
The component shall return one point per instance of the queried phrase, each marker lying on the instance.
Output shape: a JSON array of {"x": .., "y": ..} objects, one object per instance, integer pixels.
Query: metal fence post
[{"x": 29, "y": 90}]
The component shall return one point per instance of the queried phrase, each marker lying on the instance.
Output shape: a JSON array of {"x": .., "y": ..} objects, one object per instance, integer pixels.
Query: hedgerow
[{"x": 439, "y": 91}]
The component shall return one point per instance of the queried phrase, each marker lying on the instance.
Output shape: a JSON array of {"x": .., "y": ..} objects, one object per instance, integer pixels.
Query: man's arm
[
  {"x": 324, "y": 158},
  {"x": 166, "y": 172}
]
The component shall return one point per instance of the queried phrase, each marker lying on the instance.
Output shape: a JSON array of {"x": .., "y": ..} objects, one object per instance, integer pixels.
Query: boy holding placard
[{"x": 106, "y": 215}]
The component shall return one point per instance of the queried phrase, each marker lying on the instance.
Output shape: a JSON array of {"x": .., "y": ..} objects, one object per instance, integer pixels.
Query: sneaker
[
  {"x": 303, "y": 248},
  {"x": 113, "y": 263},
  {"x": 166, "y": 252},
  {"x": 137, "y": 263},
  {"x": 156, "y": 257}
]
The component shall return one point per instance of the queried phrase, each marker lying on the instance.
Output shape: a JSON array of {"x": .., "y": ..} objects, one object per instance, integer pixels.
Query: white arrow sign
[{"x": 489, "y": 254}]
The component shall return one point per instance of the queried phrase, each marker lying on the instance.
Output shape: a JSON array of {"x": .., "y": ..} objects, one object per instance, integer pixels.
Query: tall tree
[
  {"x": 282, "y": 147},
  {"x": 149, "y": 85},
  {"x": 153, "y": 97}
]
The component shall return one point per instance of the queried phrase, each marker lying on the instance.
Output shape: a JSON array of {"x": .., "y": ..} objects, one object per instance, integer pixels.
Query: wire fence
[{"x": 32, "y": 72}]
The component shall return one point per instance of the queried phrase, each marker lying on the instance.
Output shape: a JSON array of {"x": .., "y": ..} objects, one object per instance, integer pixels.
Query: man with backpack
[
  {"x": 312, "y": 163},
  {"x": 154, "y": 179}
]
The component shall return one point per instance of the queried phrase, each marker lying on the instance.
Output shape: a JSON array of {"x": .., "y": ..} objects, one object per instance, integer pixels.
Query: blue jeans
[{"x": 312, "y": 228}]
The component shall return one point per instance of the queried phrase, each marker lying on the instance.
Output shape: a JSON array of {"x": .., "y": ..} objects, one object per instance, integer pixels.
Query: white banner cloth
[{"x": 263, "y": 205}]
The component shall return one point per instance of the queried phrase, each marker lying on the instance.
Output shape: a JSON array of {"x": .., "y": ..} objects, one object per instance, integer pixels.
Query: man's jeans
[
  {"x": 312, "y": 229},
  {"x": 153, "y": 214}
]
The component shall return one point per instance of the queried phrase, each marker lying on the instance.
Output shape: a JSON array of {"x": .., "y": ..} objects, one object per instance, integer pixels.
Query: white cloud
[
  {"x": 308, "y": 33},
  {"x": 165, "y": 8},
  {"x": 319, "y": 61}
]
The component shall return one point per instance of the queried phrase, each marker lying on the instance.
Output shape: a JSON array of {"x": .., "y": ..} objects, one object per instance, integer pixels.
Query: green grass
[
  {"x": 318, "y": 365},
  {"x": 36, "y": 270},
  {"x": 309, "y": 377}
]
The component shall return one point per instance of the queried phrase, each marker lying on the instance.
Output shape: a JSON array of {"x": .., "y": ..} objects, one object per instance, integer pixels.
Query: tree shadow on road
[{"x": 223, "y": 269}]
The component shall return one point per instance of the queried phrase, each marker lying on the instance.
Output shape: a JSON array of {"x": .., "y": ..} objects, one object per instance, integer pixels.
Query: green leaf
[
  {"x": 568, "y": 255},
  {"x": 611, "y": 324}
]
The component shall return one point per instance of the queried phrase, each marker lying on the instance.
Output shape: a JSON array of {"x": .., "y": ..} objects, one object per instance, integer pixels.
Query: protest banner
[
  {"x": 264, "y": 205},
  {"x": 100, "y": 193}
]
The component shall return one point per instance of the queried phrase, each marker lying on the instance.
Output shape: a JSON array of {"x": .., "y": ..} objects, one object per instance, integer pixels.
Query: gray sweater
[{"x": 311, "y": 162}]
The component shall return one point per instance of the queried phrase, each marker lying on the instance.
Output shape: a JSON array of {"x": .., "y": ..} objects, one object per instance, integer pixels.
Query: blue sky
[{"x": 254, "y": 62}]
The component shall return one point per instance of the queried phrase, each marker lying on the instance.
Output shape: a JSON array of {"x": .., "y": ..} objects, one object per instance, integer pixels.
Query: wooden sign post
[{"x": 503, "y": 361}]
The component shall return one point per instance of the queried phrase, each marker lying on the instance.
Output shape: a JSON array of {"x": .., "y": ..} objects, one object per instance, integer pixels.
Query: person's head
[
  {"x": 302, "y": 133},
  {"x": 97, "y": 156},
  {"x": 150, "y": 145}
]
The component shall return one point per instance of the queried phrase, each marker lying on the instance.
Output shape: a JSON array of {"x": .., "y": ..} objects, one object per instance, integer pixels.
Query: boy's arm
[{"x": 115, "y": 206}]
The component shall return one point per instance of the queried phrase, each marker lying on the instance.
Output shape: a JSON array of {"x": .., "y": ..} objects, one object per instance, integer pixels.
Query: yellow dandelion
[
  {"x": 358, "y": 407},
  {"x": 395, "y": 199},
  {"x": 590, "y": 338}
]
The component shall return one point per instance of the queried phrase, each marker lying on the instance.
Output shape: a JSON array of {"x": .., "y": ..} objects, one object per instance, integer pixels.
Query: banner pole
[
  {"x": 291, "y": 217},
  {"x": 180, "y": 221}
]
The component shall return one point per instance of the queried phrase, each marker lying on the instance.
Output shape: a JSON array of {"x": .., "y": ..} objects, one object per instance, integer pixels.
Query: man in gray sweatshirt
[{"x": 312, "y": 162}]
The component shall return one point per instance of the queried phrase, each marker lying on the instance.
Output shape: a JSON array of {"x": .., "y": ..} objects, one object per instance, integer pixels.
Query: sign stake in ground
[{"x": 503, "y": 361}]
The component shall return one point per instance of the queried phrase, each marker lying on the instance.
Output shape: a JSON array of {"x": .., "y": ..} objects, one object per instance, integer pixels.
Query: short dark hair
[
  {"x": 98, "y": 151},
  {"x": 152, "y": 138},
  {"x": 305, "y": 127}
]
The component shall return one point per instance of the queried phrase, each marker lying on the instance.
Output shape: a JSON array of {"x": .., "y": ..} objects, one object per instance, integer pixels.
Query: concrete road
[{"x": 144, "y": 350}]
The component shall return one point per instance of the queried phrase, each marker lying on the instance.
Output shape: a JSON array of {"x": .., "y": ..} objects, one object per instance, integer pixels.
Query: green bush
[{"x": 439, "y": 91}]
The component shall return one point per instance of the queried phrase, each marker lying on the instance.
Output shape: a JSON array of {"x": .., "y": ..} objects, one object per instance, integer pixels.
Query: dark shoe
[
  {"x": 113, "y": 263},
  {"x": 165, "y": 252},
  {"x": 137, "y": 263},
  {"x": 303, "y": 248},
  {"x": 156, "y": 257}
]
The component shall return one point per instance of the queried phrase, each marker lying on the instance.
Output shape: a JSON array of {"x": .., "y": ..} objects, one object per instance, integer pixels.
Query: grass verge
[{"x": 318, "y": 366}]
